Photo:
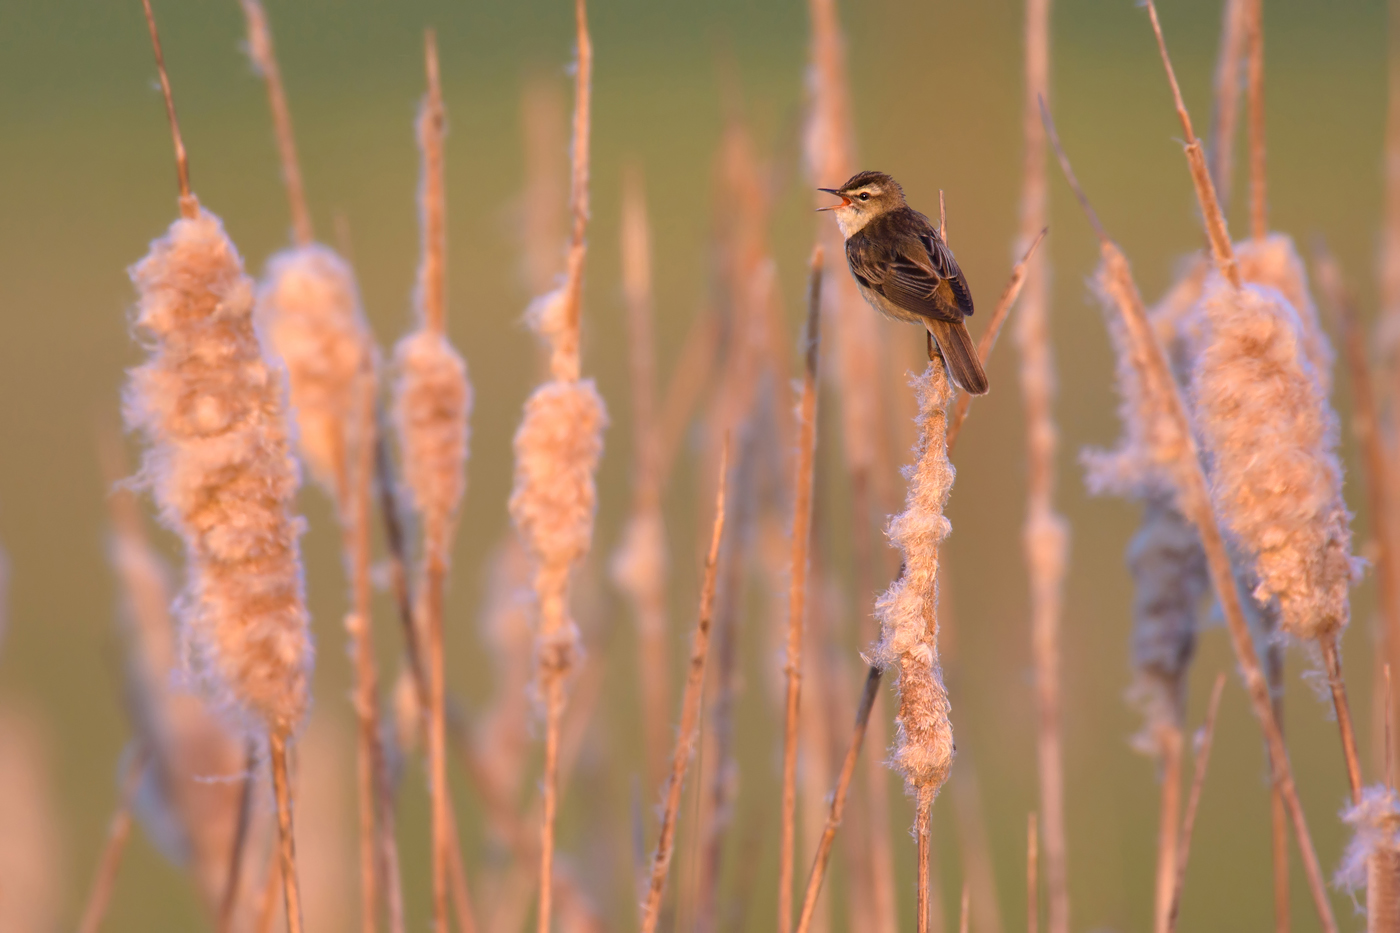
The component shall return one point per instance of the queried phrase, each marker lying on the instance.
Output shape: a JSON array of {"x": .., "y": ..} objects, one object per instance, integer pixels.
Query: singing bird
[{"x": 906, "y": 271}]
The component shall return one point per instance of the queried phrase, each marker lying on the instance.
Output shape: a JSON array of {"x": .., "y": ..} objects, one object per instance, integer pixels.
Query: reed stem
[
  {"x": 229, "y": 902},
  {"x": 1032, "y": 874},
  {"x": 118, "y": 832},
  {"x": 1167, "y": 832},
  {"x": 287, "y": 850},
  {"x": 923, "y": 818},
  {"x": 1193, "y": 801},
  {"x": 188, "y": 206},
  {"x": 690, "y": 713}
]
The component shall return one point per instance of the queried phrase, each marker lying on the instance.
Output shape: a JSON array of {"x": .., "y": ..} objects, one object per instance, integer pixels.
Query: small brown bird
[{"x": 906, "y": 271}]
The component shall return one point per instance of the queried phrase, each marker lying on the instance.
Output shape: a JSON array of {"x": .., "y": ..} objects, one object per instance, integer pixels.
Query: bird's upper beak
[{"x": 844, "y": 200}]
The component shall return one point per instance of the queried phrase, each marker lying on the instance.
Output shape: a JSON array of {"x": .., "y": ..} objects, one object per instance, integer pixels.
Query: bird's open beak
[{"x": 844, "y": 200}]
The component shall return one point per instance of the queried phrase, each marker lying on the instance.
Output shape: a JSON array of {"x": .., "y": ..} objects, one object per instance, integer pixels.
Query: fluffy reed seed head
[
  {"x": 308, "y": 310},
  {"x": 908, "y": 610},
  {"x": 213, "y": 409},
  {"x": 1170, "y": 579},
  {"x": 1374, "y": 848},
  {"x": 557, "y": 449},
  {"x": 432, "y": 405},
  {"x": 1270, "y": 437},
  {"x": 1274, "y": 263}
]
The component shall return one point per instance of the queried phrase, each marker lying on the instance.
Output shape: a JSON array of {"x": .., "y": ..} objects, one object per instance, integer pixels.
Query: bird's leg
[{"x": 928, "y": 338}]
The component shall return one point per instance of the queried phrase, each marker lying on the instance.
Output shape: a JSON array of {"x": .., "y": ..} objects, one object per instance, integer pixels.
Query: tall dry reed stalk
[
  {"x": 1174, "y": 451},
  {"x": 214, "y": 414},
  {"x": 1387, "y": 331},
  {"x": 907, "y": 611},
  {"x": 32, "y": 860},
  {"x": 689, "y": 717},
  {"x": 1372, "y": 860},
  {"x": 1046, "y": 535},
  {"x": 1224, "y": 116},
  {"x": 118, "y": 832},
  {"x": 639, "y": 566},
  {"x": 829, "y": 145},
  {"x": 308, "y": 309},
  {"x": 805, "y": 469},
  {"x": 557, "y": 449},
  {"x": 1188, "y": 822},
  {"x": 432, "y": 407}
]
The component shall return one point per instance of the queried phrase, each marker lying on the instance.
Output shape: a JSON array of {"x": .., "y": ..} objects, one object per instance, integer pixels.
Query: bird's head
[{"x": 863, "y": 198}]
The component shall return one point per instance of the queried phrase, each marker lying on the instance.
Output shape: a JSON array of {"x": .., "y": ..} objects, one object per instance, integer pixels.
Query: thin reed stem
[
  {"x": 432, "y": 272},
  {"x": 1193, "y": 801},
  {"x": 1032, "y": 874},
  {"x": 1181, "y": 456},
  {"x": 1216, "y": 229},
  {"x": 1169, "y": 742},
  {"x": 838, "y": 800},
  {"x": 923, "y": 820},
  {"x": 229, "y": 902},
  {"x": 1225, "y": 114},
  {"x": 188, "y": 207},
  {"x": 264, "y": 58},
  {"x": 267, "y": 903},
  {"x": 690, "y": 713},
  {"x": 1332, "y": 663},
  {"x": 965, "y": 909},
  {"x": 1046, "y": 533},
  {"x": 797, "y": 590},
  {"x": 1258, "y": 179},
  {"x": 433, "y": 580},
  {"x": 118, "y": 832},
  {"x": 287, "y": 850}
]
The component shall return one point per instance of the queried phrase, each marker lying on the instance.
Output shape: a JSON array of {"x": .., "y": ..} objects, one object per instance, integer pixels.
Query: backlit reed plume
[
  {"x": 213, "y": 411},
  {"x": 829, "y": 145},
  {"x": 1046, "y": 534},
  {"x": 639, "y": 566},
  {"x": 1174, "y": 451},
  {"x": 308, "y": 310},
  {"x": 908, "y": 616},
  {"x": 31, "y": 854},
  {"x": 192, "y": 758},
  {"x": 557, "y": 449},
  {"x": 689, "y": 716},
  {"x": 1372, "y": 859},
  {"x": 432, "y": 405}
]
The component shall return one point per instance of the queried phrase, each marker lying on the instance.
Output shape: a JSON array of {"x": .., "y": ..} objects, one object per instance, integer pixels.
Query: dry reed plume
[
  {"x": 557, "y": 449},
  {"x": 213, "y": 411},
  {"x": 432, "y": 405}
]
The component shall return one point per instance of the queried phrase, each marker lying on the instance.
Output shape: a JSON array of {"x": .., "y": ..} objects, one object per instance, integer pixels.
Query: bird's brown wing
[{"x": 901, "y": 257}]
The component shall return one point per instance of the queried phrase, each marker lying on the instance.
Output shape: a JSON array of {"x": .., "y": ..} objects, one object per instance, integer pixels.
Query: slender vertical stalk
[
  {"x": 1193, "y": 802},
  {"x": 188, "y": 206},
  {"x": 265, "y": 60},
  {"x": 797, "y": 591},
  {"x": 923, "y": 819},
  {"x": 1032, "y": 874},
  {"x": 1233, "y": 39},
  {"x": 1045, "y": 531},
  {"x": 1258, "y": 179},
  {"x": 118, "y": 832},
  {"x": 229, "y": 902},
  {"x": 1168, "y": 814},
  {"x": 287, "y": 852},
  {"x": 1332, "y": 663},
  {"x": 690, "y": 713}
]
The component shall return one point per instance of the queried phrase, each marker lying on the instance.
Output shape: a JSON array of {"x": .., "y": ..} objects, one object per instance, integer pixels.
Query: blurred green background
[{"x": 86, "y": 182}]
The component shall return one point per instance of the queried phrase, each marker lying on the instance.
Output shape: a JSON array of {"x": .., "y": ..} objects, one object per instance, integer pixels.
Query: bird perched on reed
[{"x": 906, "y": 271}]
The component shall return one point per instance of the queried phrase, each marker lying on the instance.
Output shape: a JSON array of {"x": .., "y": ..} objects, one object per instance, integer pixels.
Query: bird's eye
[{"x": 864, "y": 196}]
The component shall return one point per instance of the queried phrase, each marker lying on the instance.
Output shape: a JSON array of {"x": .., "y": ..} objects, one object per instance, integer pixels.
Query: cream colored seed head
[
  {"x": 213, "y": 411},
  {"x": 432, "y": 407},
  {"x": 308, "y": 311},
  {"x": 1270, "y": 437}
]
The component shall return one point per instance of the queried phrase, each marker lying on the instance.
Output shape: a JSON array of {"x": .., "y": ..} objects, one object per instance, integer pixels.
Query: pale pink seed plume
[
  {"x": 189, "y": 796},
  {"x": 557, "y": 449},
  {"x": 1270, "y": 438},
  {"x": 308, "y": 310},
  {"x": 1170, "y": 579},
  {"x": 1376, "y": 824},
  {"x": 32, "y": 885},
  {"x": 213, "y": 410},
  {"x": 1274, "y": 263},
  {"x": 908, "y": 610},
  {"x": 432, "y": 405}
]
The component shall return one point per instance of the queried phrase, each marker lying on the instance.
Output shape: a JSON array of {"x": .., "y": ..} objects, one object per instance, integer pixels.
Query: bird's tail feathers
[{"x": 960, "y": 356}]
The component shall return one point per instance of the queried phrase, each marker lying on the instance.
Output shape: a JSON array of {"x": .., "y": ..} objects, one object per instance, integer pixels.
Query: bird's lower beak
[{"x": 844, "y": 200}]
